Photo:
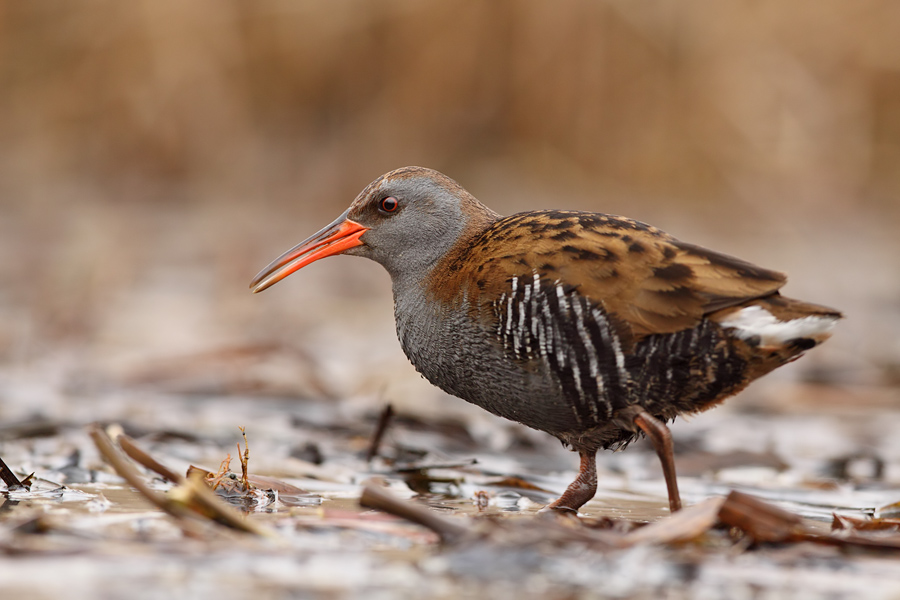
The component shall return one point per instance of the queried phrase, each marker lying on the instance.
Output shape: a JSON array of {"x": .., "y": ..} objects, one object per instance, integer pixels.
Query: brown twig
[
  {"x": 201, "y": 498},
  {"x": 762, "y": 521},
  {"x": 8, "y": 477},
  {"x": 383, "y": 421},
  {"x": 122, "y": 467},
  {"x": 186, "y": 502},
  {"x": 130, "y": 448},
  {"x": 379, "y": 499}
]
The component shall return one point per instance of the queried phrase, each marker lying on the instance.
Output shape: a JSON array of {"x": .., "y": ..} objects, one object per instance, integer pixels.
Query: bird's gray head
[
  {"x": 414, "y": 216},
  {"x": 406, "y": 220}
]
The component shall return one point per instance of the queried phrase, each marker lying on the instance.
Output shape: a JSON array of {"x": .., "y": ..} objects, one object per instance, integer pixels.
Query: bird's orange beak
[{"x": 339, "y": 236}]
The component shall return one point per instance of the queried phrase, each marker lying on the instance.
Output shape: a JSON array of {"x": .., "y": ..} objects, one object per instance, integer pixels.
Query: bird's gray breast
[{"x": 538, "y": 354}]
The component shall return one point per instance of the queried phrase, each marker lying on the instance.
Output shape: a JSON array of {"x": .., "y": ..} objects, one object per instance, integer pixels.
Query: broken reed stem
[
  {"x": 383, "y": 421},
  {"x": 245, "y": 461},
  {"x": 762, "y": 521},
  {"x": 377, "y": 498},
  {"x": 194, "y": 492},
  {"x": 142, "y": 458},
  {"x": 188, "y": 502},
  {"x": 122, "y": 467},
  {"x": 8, "y": 477}
]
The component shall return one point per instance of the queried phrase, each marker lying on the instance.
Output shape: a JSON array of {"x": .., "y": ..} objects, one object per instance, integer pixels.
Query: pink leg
[
  {"x": 661, "y": 438},
  {"x": 582, "y": 489}
]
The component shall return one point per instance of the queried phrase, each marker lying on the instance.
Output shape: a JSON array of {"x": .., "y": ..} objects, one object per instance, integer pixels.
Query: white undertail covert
[{"x": 756, "y": 321}]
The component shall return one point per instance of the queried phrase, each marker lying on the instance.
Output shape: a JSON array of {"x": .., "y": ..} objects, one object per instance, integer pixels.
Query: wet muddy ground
[{"x": 80, "y": 532}]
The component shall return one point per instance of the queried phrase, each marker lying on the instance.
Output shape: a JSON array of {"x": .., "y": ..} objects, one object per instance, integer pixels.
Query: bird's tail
[{"x": 778, "y": 329}]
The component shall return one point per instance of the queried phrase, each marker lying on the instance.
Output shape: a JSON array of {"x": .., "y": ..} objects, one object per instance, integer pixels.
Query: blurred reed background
[{"x": 154, "y": 154}]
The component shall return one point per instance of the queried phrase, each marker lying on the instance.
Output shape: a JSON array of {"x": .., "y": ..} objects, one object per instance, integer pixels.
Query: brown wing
[{"x": 644, "y": 278}]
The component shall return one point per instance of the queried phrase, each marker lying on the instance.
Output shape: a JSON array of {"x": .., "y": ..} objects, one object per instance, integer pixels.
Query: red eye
[{"x": 389, "y": 204}]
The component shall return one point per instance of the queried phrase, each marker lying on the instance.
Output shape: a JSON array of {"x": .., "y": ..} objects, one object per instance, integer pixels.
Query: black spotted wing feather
[{"x": 645, "y": 280}]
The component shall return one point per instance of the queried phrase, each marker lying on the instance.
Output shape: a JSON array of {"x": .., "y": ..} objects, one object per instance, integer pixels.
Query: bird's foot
[{"x": 580, "y": 491}]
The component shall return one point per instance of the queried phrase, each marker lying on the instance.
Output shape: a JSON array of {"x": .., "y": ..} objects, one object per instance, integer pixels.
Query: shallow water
[{"x": 81, "y": 530}]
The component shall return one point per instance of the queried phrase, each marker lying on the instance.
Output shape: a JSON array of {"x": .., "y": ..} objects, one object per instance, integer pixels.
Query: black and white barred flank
[
  {"x": 540, "y": 320},
  {"x": 574, "y": 340}
]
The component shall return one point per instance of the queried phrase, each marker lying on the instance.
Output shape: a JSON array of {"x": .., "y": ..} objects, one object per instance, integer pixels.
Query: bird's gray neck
[{"x": 424, "y": 326}]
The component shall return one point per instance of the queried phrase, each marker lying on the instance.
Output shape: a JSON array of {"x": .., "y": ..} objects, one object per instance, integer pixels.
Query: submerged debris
[
  {"x": 252, "y": 492},
  {"x": 189, "y": 500},
  {"x": 760, "y": 521},
  {"x": 450, "y": 509},
  {"x": 12, "y": 482},
  {"x": 888, "y": 511}
]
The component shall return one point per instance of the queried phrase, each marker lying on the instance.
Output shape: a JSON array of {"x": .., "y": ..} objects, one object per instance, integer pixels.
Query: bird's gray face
[
  {"x": 405, "y": 220},
  {"x": 412, "y": 221}
]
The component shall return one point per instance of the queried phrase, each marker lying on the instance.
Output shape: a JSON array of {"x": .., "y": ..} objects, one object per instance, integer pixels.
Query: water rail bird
[{"x": 591, "y": 327}]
